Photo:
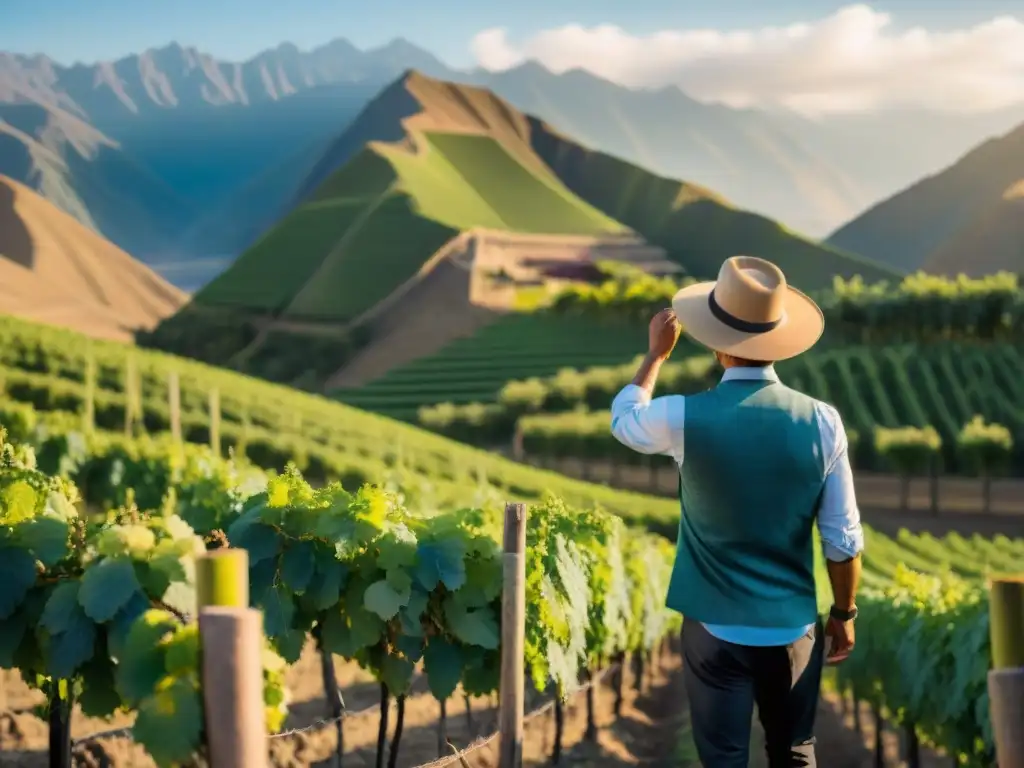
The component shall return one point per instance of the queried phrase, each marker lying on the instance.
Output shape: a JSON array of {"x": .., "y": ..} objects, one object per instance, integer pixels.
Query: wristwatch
[{"x": 840, "y": 615}]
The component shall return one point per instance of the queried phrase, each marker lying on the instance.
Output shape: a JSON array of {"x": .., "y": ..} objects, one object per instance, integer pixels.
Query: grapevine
[
  {"x": 77, "y": 617},
  {"x": 104, "y": 614}
]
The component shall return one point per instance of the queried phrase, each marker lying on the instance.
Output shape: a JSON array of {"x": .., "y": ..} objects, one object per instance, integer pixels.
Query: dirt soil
[
  {"x": 652, "y": 729},
  {"x": 638, "y": 736}
]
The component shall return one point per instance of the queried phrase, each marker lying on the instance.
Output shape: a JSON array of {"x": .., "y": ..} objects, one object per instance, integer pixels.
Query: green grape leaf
[
  {"x": 410, "y": 616},
  {"x": 18, "y": 503},
  {"x": 156, "y": 575},
  {"x": 17, "y": 575},
  {"x": 345, "y": 634},
  {"x": 142, "y": 664},
  {"x": 340, "y": 530},
  {"x": 384, "y": 600},
  {"x": 169, "y": 723},
  {"x": 396, "y": 674},
  {"x": 46, "y": 537},
  {"x": 57, "y": 504},
  {"x": 107, "y": 587},
  {"x": 400, "y": 580},
  {"x": 298, "y": 564},
  {"x": 440, "y": 561},
  {"x": 178, "y": 529},
  {"x": 69, "y": 649},
  {"x": 61, "y": 608},
  {"x": 481, "y": 677},
  {"x": 474, "y": 627},
  {"x": 180, "y": 594},
  {"x": 366, "y": 627},
  {"x": 471, "y": 595},
  {"x": 135, "y": 540},
  {"x": 12, "y": 630},
  {"x": 261, "y": 541},
  {"x": 443, "y": 662},
  {"x": 410, "y": 646},
  {"x": 290, "y": 644},
  {"x": 278, "y": 611},
  {"x": 325, "y": 588},
  {"x": 99, "y": 695},
  {"x": 182, "y": 651},
  {"x": 485, "y": 573},
  {"x": 261, "y": 579},
  {"x": 119, "y": 627},
  {"x": 397, "y": 549}
]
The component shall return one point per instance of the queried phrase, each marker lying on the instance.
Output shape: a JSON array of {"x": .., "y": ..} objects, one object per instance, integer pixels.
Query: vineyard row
[
  {"x": 356, "y": 570},
  {"x": 98, "y": 607},
  {"x": 69, "y": 378},
  {"x": 943, "y": 386},
  {"x": 920, "y": 308}
]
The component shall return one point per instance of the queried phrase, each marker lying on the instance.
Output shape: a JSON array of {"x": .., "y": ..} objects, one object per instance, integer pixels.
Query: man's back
[{"x": 750, "y": 484}]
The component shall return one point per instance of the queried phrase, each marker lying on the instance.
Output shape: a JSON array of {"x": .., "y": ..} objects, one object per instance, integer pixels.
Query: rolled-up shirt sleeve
[
  {"x": 842, "y": 536},
  {"x": 651, "y": 426}
]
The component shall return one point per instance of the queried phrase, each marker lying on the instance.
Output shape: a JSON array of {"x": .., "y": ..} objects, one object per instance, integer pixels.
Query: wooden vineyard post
[
  {"x": 1006, "y": 678},
  {"x": 933, "y": 486},
  {"x": 518, "y": 454},
  {"x": 215, "y": 420},
  {"x": 89, "y": 406},
  {"x": 512, "y": 689},
  {"x": 242, "y": 446},
  {"x": 232, "y": 643},
  {"x": 131, "y": 395},
  {"x": 222, "y": 578},
  {"x": 174, "y": 404}
]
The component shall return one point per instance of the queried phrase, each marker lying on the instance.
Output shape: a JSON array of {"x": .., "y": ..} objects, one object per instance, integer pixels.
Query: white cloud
[{"x": 851, "y": 61}]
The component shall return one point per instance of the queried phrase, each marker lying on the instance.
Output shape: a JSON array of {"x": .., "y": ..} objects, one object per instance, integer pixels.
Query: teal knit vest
[{"x": 750, "y": 482}]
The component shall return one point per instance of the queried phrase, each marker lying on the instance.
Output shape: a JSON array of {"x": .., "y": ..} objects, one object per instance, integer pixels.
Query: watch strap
[{"x": 841, "y": 615}]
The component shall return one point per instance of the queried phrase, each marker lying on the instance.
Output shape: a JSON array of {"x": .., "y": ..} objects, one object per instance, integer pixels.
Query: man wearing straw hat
[{"x": 759, "y": 463}]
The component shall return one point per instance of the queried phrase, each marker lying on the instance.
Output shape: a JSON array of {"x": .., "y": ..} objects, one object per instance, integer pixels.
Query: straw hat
[{"x": 749, "y": 312}]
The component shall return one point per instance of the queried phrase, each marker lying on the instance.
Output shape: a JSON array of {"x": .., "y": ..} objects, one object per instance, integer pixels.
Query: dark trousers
[{"x": 723, "y": 682}]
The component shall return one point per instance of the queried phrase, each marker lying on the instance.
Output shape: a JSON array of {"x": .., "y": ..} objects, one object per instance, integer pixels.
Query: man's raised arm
[{"x": 645, "y": 425}]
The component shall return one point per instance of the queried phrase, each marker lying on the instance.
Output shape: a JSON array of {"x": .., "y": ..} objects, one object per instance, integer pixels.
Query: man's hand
[
  {"x": 842, "y": 636},
  {"x": 662, "y": 334}
]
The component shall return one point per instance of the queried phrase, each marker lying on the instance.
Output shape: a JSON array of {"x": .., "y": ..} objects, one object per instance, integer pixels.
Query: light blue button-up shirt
[{"x": 656, "y": 427}]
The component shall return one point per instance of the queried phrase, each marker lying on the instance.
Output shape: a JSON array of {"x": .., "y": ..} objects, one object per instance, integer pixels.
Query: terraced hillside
[
  {"x": 475, "y": 369},
  {"x": 940, "y": 385},
  {"x": 943, "y": 386},
  {"x": 428, "y": 160},
  {"x": 390, "y": 194}
]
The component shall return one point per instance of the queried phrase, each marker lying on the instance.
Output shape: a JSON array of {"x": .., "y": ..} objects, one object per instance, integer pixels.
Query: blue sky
[{"x": 88, "y": 30}]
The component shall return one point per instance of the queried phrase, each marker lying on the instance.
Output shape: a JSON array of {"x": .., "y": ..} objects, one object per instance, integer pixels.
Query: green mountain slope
[
  {"x": 992, "y": 242},
  {"x": 921, "y": 226},
  {"x": 375, "y": 220},
  {"x": 695, "y": 226}
]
